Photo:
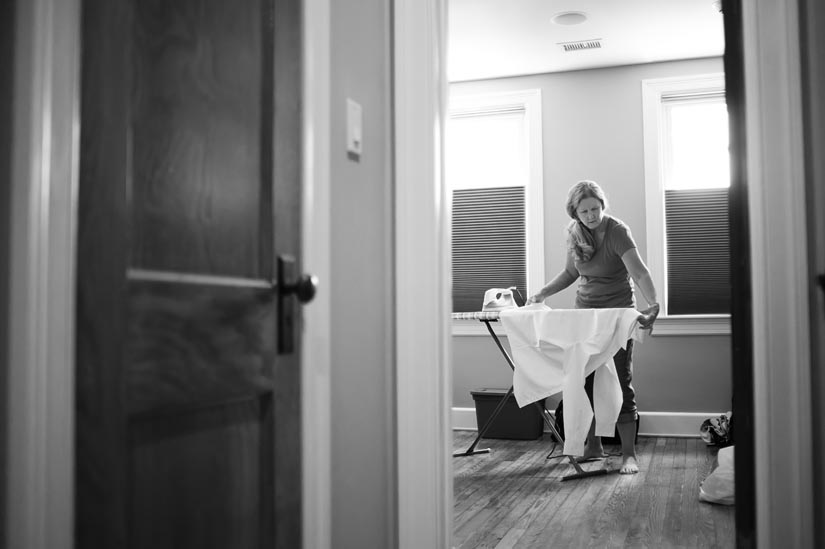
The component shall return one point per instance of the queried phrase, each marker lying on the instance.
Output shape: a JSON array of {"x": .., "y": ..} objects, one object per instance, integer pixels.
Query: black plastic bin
[{"x": 512, "y": 423}]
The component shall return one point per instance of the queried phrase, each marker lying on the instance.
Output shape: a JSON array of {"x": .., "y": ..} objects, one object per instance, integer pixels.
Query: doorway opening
[{"x": 735, "y": 349}]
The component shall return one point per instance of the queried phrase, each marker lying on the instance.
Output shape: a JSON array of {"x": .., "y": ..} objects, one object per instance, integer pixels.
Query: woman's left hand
[{"x": 648, "y": 316}]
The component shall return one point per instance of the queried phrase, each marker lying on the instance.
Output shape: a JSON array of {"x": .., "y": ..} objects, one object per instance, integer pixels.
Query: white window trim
[
  {"x": 654, "y": 123},
  {"x": 530, "y": 101}
]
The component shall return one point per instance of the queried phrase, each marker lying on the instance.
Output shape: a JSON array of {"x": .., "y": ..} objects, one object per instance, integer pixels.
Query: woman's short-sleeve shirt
[{"x": 604, "y": 281}]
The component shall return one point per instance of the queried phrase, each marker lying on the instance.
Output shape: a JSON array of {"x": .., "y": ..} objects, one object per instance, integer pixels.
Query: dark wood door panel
[
  {"x": 201, "y": 164},
  {"x": 194, "y": 344},
  {"x": 182, "y": 464}
]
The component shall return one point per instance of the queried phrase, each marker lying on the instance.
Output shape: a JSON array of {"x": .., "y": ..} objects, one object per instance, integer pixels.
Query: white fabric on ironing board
[{"x": 556, "y": 349}]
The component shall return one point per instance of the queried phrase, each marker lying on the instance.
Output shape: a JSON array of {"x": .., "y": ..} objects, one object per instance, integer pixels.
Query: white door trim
[
  {"x": 781, "y": 340},
  {"x": 423, "y": 377},
  {"x": 40, "y": 432},
  {"x": 315, "y": 236}
]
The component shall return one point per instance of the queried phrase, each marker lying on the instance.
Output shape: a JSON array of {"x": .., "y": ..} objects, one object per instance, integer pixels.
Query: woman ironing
[{"x": 603, "y": 257}]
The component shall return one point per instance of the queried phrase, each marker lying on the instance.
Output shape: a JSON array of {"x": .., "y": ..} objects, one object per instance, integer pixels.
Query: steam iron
[{"x": 499, "y": 299}]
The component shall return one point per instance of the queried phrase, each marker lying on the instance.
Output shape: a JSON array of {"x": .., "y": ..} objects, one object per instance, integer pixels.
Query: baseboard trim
[{"x": 651, "y": 424}]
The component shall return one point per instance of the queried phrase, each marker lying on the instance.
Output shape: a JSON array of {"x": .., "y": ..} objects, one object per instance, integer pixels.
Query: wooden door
[{"x": 188, "y": 426}]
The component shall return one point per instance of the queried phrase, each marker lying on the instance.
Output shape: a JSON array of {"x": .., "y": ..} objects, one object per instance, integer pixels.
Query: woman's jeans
[{"x": 624, "y": 369}]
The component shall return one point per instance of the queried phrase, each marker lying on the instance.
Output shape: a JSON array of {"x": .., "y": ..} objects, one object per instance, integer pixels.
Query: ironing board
[
  {"x": 487, "y": 317},
  {"x": 492, "y": 316}
]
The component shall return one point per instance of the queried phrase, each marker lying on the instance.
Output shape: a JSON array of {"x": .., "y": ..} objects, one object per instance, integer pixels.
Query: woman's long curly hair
[{"x": 580, "y": 241}]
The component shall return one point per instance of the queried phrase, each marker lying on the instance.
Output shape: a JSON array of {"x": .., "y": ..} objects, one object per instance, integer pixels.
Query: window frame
[
  {"x": 529, "y": 101},
  {"x": 654, "y": 127}
]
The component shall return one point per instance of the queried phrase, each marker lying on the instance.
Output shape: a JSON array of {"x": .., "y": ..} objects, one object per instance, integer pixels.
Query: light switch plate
[{"x": 355, "y": 143}]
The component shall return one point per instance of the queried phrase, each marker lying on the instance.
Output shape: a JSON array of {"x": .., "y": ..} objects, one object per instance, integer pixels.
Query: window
[
  {"x": 494, "y": 172},
  {"x": 687, "y": 176}
]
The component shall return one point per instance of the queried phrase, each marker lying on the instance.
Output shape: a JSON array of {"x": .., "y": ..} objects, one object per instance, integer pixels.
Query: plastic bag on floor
[{"x": 718, "y": 487}]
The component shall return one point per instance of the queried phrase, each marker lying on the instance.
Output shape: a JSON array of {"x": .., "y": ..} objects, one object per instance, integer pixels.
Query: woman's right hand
[{"x": 537, "y": 298}]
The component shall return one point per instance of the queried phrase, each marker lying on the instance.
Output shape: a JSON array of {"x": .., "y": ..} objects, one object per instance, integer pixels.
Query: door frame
[
  {"x": 41, "y": 315},
  {"x": 782, "y": 410},
  {"x": 40, "y": 398},
  {"x": 812, "y": 14},
  {"x": 315, "y": 241},
  {"x": 422, "y": 268},
  {"x": 779, "y": 328}
]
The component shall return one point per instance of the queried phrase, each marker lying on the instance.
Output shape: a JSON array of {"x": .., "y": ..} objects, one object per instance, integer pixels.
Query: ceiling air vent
[{"x": 593, "y": 44}]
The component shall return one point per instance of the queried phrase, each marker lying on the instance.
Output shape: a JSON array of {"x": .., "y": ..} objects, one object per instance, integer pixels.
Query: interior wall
[
  {"x": 361, "y": 323},
  {"x": 670, "y": 374},
  {"x": 592, "y": 129}
]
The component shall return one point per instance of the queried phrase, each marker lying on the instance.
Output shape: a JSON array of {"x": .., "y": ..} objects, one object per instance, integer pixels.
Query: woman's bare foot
[{"x": 629, "y": 466}]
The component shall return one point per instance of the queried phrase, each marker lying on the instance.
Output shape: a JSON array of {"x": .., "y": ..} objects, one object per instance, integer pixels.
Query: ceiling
[{"x": 498, "y": 38}]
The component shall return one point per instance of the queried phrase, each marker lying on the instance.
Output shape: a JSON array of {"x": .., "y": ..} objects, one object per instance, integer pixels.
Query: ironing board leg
[
  {"x": 580, "y": 473},
  {"x": 471, "y": 450},
  {"x": 500, "y": 346}
]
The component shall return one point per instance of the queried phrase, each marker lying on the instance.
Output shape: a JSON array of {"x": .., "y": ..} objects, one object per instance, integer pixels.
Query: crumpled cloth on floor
[{"x": 556, "y": 349}]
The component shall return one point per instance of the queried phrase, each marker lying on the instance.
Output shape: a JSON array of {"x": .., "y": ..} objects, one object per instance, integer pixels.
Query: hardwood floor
[{"x": 514, "y": 497}]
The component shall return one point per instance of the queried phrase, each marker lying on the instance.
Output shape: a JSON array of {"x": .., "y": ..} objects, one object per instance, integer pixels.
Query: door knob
[{"x": 304, "y": 288}]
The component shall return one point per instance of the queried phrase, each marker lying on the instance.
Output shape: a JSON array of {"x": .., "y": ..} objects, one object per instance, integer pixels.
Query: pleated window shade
[
  {"x": 489, "y": 244},
  {"x": 698, "y": 251}
]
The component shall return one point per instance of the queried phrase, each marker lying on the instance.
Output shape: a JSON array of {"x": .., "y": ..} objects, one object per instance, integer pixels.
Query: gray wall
[
  {"x": 362, "y": 374},
  {"x": 592, "y": 129}
]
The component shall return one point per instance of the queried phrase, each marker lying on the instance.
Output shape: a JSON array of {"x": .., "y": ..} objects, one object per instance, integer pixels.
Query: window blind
[
  {"x": 488, "y": 244},
  {"x": 698, "y": 251}
]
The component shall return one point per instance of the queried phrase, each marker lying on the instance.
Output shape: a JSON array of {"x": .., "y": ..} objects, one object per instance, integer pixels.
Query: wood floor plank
[
  {"x": 579, "y": 523},
  {"x": 543, "y": 533},
  {"x": 540, "y": 531},
  {"x": 611, "y": 528},
  {"x": 538, "y": 508},
  {"x": 491, "y": 492},
  {"x": 673, "y": 528},
  {"x": 639, "y": 530},
  {"x": 574, "y": 514},
  {"x": 499, "y": 512},
  {"x": 695, "y": 452},
  {"x": 517, "y": 508},
  {"x": 707, "y": 513},
  {"x": 513, "y": 498}
]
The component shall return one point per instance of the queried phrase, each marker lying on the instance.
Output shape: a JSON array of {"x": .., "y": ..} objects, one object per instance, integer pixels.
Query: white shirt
[{"x": 556, "y": 349}]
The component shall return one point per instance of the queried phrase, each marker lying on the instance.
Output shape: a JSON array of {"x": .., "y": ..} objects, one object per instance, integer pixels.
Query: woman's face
[{"x": 590, "y": 212}]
